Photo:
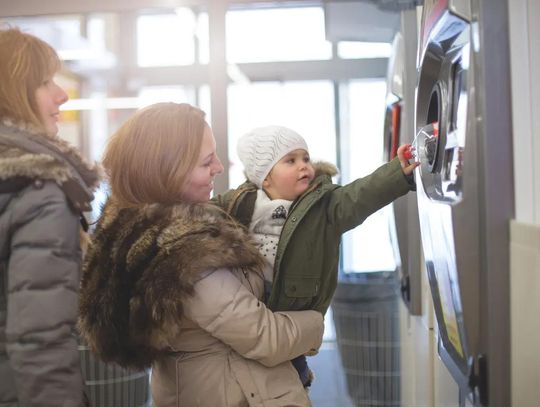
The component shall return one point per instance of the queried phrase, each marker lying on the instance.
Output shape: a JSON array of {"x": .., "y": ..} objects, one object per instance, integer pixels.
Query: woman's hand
[{"x": 404, "y": 153}]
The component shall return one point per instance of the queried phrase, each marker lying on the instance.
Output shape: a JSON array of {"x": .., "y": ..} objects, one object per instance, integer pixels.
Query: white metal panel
[
  {"x": 521, "y": 112},
  {"x": 407, "y": 352},
  {"x": 445, "y": 389},
  {"x": 425, "y": 352},
  {"x": 525, "y": 304},
  {"x": 534, "y": 72},
  {"x": 418, "y": 350}
]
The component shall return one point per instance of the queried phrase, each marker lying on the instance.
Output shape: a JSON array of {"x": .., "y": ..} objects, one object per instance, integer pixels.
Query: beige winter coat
[{"x": 194, "y": 313}]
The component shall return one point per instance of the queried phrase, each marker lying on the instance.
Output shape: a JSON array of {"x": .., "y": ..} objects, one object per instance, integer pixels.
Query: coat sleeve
[
  {"x": 221, "y": 200},
  {"x": 43, "y": 281},
  {"x": 227, "y": 310},
  {"x": 351, "y": 204}
]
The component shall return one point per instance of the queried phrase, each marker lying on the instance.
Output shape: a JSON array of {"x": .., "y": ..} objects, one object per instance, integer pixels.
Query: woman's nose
[
  {"x": 218, "y": 168},
  {"x": 61, "y": 96}
]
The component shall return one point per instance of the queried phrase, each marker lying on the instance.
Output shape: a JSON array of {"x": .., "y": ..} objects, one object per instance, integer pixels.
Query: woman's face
[
  {"x": 200, "y": 181},
  {"x": 49, "y": 98}
]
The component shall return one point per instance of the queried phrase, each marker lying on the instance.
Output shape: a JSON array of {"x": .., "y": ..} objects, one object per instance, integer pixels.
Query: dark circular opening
[{"x": 433, "y": 116}]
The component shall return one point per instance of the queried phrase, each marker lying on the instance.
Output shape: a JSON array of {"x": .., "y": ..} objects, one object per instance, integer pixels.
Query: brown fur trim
[
  {"x": 91, "y": 173},
  {"x": 142, "y": 263},
  {"x": 17, "y": 163},
  {"x": 325, "y": 168}
]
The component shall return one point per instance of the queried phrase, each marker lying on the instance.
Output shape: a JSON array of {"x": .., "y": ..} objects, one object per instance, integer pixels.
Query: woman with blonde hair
[
  {"x": 172, "y": 283},
  {"x": 44, "y": 185}
]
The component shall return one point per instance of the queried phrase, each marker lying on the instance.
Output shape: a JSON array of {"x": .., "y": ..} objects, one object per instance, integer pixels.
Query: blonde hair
[
  {"x": 149, "y": 158},
  {"x": 25, "y": 63}
]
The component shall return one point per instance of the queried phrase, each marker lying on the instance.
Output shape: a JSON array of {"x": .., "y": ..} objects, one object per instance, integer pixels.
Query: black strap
[
  {"x": 243, "y": 212},
  {"x": 84, "y": 222}
]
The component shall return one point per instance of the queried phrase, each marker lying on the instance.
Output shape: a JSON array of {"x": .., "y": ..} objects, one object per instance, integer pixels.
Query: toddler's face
[{"x": 290, "y": 177}]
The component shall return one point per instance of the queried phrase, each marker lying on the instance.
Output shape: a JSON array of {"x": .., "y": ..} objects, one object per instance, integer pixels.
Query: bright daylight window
[
  {"x": 366, "y": 248},
  {"x": 155, "y": 94},
  {"x": 199, "y": 97},
  {"x": 359, "y": 49},
  {"x": 166, "y": 39},
  {"x": 288, "y": 34},
  {"x": 307, "y": 107}
]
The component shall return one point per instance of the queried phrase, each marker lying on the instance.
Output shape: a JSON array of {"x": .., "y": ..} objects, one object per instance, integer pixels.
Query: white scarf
[{"x": 266, "y": 224}]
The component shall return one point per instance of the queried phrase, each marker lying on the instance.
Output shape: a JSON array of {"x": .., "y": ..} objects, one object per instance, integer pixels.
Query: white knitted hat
[{"x": 261, "y": 148}]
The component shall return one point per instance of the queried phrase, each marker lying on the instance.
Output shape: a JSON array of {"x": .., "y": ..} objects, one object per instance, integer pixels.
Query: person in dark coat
[{"x": 44, "y": 185}]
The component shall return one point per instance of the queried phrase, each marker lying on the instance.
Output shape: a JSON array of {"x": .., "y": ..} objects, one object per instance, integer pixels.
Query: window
[
  {"x": 366, "y": 248},
  {"x": 307, "y": 107},
  {"x": 358, "y": 49},
  {"x": 287, "y": 34},
  {"x": 166, "y": 39}
]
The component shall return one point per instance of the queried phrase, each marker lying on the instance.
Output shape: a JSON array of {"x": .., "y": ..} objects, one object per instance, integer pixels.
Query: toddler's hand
[{"x": 404, "y": 153}]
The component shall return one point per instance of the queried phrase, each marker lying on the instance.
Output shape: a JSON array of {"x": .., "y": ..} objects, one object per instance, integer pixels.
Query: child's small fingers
[{"x": 409, "y": 169}]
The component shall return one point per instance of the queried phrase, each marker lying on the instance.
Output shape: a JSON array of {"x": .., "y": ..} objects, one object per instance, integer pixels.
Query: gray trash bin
[
  {"x": 366, "y": 317},
  {"x": 109, "y": 385}
]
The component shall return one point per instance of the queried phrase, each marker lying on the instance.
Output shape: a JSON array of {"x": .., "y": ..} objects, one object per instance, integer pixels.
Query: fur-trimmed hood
[
  {"x": 143, "y": 262},
  {"x": 26, "y": 153},
  {"x": 325, "y": 168}
]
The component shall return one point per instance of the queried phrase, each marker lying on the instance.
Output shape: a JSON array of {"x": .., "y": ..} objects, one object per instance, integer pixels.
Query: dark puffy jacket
[{"x": 44, "y": 184}]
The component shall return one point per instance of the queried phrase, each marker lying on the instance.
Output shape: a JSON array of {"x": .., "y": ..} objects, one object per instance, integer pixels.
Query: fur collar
[
  {"x": 142, "y": 263},
  {"x": 57, "y": 162},
  {"x": 325, "y": 168}
]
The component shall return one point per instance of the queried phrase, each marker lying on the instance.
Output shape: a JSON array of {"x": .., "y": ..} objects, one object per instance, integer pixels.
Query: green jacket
[{"x": 306, "y": 264}]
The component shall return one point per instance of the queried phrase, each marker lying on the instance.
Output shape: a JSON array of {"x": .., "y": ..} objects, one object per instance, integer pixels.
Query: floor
[{"x": 329, "y": 388}]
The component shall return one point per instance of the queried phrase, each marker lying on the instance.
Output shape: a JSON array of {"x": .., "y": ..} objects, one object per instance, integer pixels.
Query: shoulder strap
[{"x": 242, "y": 206}]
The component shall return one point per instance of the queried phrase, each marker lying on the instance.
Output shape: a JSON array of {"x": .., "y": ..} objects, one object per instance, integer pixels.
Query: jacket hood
[
  {"x": 26, "y": 153},
  {"x": 325, "y": 168},
  {"x": 143, "y": 262}
]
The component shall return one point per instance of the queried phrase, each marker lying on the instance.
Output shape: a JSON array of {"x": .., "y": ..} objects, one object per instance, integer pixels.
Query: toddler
[{"x": 297, "y": 215}]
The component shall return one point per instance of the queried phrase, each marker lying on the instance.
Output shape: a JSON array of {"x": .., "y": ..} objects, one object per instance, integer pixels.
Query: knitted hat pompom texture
[{"x": 261, "y": 148}]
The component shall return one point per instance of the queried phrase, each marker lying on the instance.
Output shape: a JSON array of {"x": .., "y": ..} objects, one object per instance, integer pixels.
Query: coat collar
[
  {"x": 325, "y": 168},
  {"x": 24, "y": 152},
  {"x": 142, "y": 264}
]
